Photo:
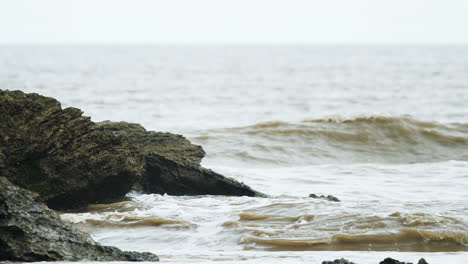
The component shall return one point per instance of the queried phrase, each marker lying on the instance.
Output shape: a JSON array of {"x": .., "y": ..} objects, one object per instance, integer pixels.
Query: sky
[{"x": 234, "y": 21}]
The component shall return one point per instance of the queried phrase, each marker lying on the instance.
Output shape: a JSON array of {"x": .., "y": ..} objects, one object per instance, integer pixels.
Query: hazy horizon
[{"x": 219, "y": 22}]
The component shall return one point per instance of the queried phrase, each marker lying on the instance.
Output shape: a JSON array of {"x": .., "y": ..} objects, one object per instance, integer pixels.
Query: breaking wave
[{"x": 365, "y": 139}]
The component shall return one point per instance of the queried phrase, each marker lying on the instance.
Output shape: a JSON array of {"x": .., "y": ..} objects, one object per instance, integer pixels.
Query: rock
[
  {"x": 62, "y": 155},
  {"x": 390, "y": 261},
  {"x": 422, "y": 261},
  {"x": 172, "y": 164},
  {"x": 29, "y": 231},
  {"x": 394, "y": 261},
  {"x": 338, "y": 261},
  {"x": 330, "y": 198}
]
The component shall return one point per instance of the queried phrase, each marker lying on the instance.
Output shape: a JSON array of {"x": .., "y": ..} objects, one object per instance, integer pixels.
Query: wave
[
  {"x": 350, "y": 231},
  {"x": 365, "y": 129},
  {"x": 120, "y": 220},
  {"x": 410, "y": 239},
  {"x": 362, "y": 139},
  {"x": 124, "y": 206},
  {"x": 253, "y": 217}
]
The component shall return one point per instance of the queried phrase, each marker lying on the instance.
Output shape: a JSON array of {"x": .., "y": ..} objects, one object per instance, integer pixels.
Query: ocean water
[{"x": 383, "y": 128}]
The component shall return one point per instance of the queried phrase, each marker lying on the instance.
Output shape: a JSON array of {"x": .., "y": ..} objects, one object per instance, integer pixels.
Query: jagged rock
[
  {"x": 61, "y": 154},
  {"x": 422, "y": 261},
  {"x": 338, "y": 261},
  {"x": 330, "y": 198},
  {"x": 29, "y": 231},
  {"x": 172, "y": 164}
]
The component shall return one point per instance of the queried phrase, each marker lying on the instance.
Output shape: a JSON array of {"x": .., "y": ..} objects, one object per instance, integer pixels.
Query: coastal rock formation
[
  {"x": 60, "y": 154},
  {"x": 71, "y": 161},
  {"x": 29, "y": 231},
  {"x": 172, "y": 164}
]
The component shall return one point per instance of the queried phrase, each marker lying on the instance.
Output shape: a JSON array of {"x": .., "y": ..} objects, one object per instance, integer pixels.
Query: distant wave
[{"x": 339, "y": 139}]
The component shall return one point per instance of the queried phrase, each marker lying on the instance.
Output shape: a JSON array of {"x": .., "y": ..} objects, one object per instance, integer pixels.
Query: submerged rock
[
  {"x": 60, "y": 154},
  {"x": 338, "y": 261},
  {"x": 330, "y": 198},
  {"x": 172, "y": 164},
  {"x": 29, "y": 231}
]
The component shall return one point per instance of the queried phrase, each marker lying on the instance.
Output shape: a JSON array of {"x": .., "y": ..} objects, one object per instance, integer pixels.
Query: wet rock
[
  {"x": 60, "y": 154},
  {"x": 390, "y": 261},
  {"x": 394, "y": 261},
  {"x": 172, "y": 164},
  {"x": 338, "y": 261},
  {"x": 330, "y": 198},
  {"x": 29, "y": 231}
]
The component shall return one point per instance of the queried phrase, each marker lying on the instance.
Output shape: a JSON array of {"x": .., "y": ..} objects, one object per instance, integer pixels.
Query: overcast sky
[{"x": 235, "y": 21}]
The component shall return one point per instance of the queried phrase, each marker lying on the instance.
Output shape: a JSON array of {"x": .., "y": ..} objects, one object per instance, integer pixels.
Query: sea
[{"x": 384, "y": 128}]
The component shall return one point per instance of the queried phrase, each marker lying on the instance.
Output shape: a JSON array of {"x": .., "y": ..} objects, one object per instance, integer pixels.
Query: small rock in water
[
  {"x": 390, "y": 261},
  {"x": 422, "y": 261},
  {"x": 338, "y": 261},
  {"x": 394, "y": 261},
  {"x": 330, "y": 198}
]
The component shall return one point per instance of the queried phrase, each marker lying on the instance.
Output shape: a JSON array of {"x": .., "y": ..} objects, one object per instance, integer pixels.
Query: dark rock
[
  {"x": 60, "y": 154},
  {"x": 172, "y": 164},
  {"x": 338, "y": 261},
  {"x": 390, "y": 261},
  {"x": 422, "y": 261},
  {"x": 330, "y": 198},
  {"x": 29, "y": 231},
  {"x": 394, "y": 261}
]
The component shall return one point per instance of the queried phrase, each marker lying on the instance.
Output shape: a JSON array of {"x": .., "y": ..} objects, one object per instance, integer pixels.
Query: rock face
[
  {"x": 29, "y": 231},
  {"x": 172, "y": 164},
  {"x": 61, "y": 154}
]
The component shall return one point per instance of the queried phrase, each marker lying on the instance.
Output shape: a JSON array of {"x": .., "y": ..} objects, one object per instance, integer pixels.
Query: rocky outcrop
[
  {"x": 71, "y": 161},
  {"x": 68, "y": 161},
  {"x": 172, "y": 164},
  {"x": 29, "y": 231},
  {"x": 61, "y": 154}
]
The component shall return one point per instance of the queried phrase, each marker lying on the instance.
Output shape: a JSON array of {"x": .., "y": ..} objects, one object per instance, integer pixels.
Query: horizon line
[{"x": 232, "y": 43}]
